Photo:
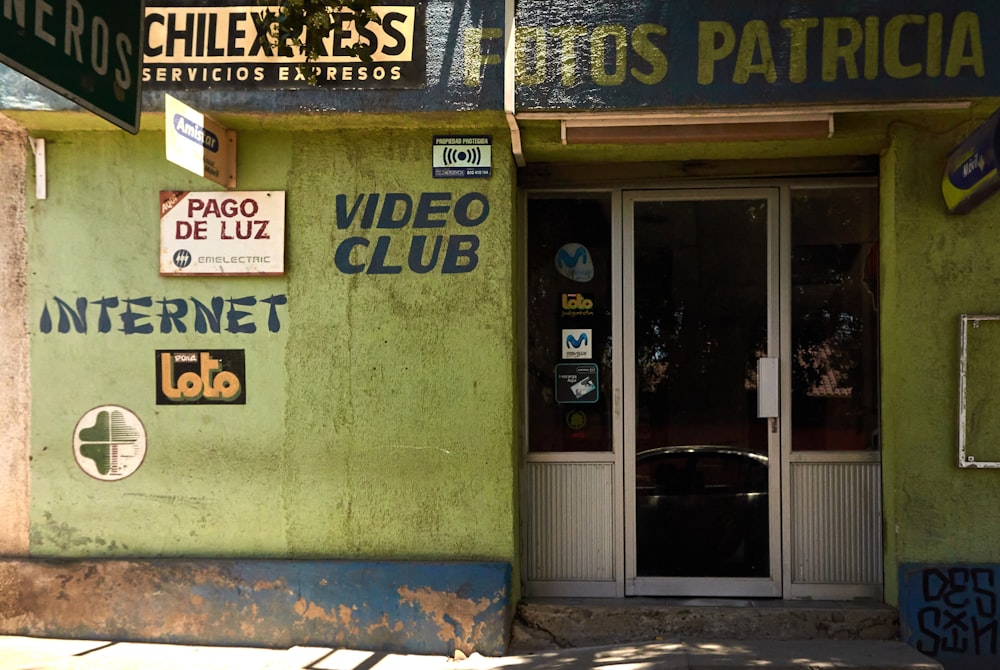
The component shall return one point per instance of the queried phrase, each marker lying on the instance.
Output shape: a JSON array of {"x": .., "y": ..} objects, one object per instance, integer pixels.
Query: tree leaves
[{"x": 302, "y": 26}]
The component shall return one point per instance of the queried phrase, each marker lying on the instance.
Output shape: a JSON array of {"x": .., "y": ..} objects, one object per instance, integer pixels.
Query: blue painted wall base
[{"x": 404, "y": 606}]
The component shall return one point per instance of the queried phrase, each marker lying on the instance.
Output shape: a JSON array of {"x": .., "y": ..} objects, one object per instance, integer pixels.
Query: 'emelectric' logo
[{"x": 182, "y": 258}]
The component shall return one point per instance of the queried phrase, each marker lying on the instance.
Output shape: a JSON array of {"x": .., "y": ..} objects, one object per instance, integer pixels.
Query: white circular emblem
[{"x": 109, "y": 442}]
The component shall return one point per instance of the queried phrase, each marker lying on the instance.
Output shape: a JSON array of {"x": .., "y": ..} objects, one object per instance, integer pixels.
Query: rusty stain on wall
[
  {"x": 454, "y": 616},
  {"x": 355, "y": 604}
]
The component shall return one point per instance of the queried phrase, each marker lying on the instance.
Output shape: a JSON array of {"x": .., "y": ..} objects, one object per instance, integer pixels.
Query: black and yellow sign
[
  {"x": 201, "y": 377},
  {"x": 190, "y": 46}
]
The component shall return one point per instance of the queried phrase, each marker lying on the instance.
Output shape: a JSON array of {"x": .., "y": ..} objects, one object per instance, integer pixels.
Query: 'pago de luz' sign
[
  {"x": 190, "y": 45},
  {"x": 89, "y": 51},
  {"x": 222, "y": 233}
]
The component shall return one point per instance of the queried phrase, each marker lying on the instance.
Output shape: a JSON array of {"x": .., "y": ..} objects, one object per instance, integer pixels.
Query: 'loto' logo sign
[{"x": 201, "y": 377}]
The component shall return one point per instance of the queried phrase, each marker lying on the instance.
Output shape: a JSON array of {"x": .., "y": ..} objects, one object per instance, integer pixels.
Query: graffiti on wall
[
  {"x": 144, "y": 315},
  {"x": 951, "y": 610}
]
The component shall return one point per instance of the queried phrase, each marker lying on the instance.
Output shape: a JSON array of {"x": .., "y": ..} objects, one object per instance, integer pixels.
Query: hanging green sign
[{"x": 89, "y": 51}]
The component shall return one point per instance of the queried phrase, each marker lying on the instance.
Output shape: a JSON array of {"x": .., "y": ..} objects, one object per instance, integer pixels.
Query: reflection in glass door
[{"x": 700, "y": 316}]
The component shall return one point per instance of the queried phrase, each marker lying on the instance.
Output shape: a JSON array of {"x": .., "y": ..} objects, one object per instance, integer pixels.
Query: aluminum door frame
[
  {"x": 536, "y": 465},
  {"x": 758, "y": 587}
]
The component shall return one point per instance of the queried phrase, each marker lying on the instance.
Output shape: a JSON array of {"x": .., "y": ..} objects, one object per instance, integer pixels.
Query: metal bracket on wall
[{"x": 38, "y": 148}]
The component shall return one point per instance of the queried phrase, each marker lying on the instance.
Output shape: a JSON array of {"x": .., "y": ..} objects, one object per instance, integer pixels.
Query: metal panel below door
[{"x": 570, "y": 544}]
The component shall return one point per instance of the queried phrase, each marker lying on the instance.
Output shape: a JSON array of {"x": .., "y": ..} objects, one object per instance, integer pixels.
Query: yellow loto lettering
[{"x": 211, "y": 383}]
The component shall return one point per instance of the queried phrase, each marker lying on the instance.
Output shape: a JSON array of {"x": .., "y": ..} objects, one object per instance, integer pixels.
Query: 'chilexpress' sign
[{"x": 189, "y": 45}]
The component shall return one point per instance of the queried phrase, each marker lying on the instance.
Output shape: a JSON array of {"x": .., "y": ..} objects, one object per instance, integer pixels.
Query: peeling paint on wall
[
  {"x": 454, "y": 616},
  {"x": 358, "y": 604},
  {"x": 15, "y": 386}
]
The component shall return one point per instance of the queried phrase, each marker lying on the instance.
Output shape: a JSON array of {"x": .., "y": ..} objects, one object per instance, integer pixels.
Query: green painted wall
[
  {"x": 380, "y": 417},
  {"x": 935, "y": 267}
]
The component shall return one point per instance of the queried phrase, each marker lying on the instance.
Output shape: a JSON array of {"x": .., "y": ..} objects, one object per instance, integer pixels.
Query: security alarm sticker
[
  {"x": 222, "y": 233},
  {"x": 576, "y": 383},
  {"x": 576, "y": 343},
  {"x": 201, "y": 377},
  {"x": 109, "y": 442},
  {"x": 463, "y": 156}
]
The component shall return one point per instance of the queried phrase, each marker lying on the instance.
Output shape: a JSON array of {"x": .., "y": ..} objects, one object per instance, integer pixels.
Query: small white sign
[
  {"x": 576, "y": 343},
  {"x": 199, "y": 144},
  {"x": 222, "y": 233},
  {"x": 463, "y": 156}
]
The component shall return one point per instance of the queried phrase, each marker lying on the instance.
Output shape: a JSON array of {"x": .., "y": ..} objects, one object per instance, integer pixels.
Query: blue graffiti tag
[{"x": 958, "y": 612}]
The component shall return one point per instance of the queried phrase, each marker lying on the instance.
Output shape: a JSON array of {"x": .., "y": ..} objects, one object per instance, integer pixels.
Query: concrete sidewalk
[{"x": 27, "y": 653}]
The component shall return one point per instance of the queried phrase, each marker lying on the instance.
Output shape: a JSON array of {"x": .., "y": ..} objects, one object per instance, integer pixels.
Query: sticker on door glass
[
  {"x": 109, "y": 442},
  {"x": 576, "y": 419},
  {"x": 576, "y": 343},
  {"x": 573, "y": 261},
  {"x": 576, "y": 383},
  {"x": 577, "y": 304}
]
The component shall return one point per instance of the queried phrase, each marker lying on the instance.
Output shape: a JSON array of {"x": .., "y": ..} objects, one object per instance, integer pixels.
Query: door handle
[{"x": 767, "y": 388}]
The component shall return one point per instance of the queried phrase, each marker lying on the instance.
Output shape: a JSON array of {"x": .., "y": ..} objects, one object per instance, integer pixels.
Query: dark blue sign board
[
  {"x": 719, "y": 53},
  {"x": 571, "y": 55},
  {"x": 89, "y": 51}
]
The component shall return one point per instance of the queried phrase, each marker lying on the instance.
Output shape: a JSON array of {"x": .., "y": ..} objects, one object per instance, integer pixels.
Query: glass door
[{"x": 701, "y": 386}]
